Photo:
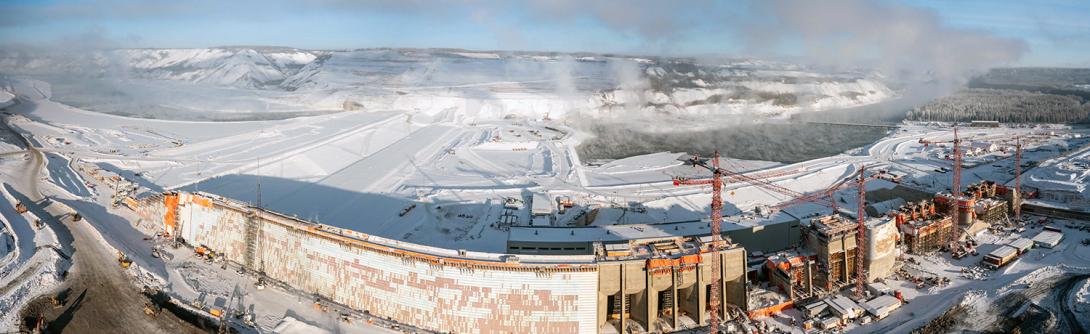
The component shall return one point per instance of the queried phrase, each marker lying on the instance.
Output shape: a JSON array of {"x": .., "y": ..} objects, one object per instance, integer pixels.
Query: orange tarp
[
  {"x": 169, "y": 219},
  {"x": 690, "y": 259},
  {"x": 764, "y": 312},
  {"x": 659, "y": 263},
  {"x": 204, "y": 202}
]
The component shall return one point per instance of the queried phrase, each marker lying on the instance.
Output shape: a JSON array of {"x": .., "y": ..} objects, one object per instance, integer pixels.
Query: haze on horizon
[{"x": 947, "y": 38}]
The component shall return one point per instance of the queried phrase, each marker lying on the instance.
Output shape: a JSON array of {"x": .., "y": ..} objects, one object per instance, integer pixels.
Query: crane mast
[
  {"x": 861, "y": 234},
  {"x": 1016, "y": 196},
  {"x": 716, "y": 218},
  {"x": 716, "y": 237},
  {"x": 955, "y": 184}
]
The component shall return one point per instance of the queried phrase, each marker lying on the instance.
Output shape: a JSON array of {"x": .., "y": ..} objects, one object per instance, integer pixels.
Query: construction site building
[
  {"x": 990, "y": 201},
  {"x": 982, "y": 189},
  {"x": 833, "y": 240},
  {"x": 922, "y": 209},
  {"x": 927, "y": 235},
  {"x": 966, "y": 207},
  {"x": 663, "y": 285},
  {"x": 991, "y": 210},
  {"x": 792, "y": 273}
]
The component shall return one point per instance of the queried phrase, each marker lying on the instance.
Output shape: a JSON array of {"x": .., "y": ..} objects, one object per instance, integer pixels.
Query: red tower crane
[
  {"x": 861, "y": 233},
  {"x": 1016, "y": 193},
  {"x": 955, "y": 184},
  {"x": 818, "y": 197},
  {"x": 716, "y": 218}
]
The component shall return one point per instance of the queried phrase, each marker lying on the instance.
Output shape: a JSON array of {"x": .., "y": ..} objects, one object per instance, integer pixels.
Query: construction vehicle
[
  {"x": 20, "y": 207},
  {"x": 151, "y": 309},
  {"x": 260, "y": 285},
  {"x": 59, "y": 299},
  {"x": 123, "y": 260}
]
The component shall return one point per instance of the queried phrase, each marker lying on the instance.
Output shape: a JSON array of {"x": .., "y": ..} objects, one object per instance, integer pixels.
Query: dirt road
[{"x": 100, "y": 298}]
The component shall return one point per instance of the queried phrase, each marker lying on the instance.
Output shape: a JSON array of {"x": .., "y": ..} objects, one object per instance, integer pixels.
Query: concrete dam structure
[{"x": 654, "y": 285}]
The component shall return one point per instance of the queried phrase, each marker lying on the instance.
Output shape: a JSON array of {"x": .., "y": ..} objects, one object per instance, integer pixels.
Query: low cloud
[{"x": 898, "y": 39}]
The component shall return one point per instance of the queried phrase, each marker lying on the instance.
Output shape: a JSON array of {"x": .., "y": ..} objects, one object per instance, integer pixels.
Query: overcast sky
[{"x": 1037, "y": 33}]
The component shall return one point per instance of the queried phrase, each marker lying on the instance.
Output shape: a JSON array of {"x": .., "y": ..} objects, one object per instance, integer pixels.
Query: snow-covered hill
[
  {"x": 242, "y": 67},
  {"x": 455, "y": 84},
  {"x": 237, "y": 67}
]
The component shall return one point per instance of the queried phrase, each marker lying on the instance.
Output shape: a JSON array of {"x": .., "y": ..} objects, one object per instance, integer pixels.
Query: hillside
[{"x": 462, "y": 84}]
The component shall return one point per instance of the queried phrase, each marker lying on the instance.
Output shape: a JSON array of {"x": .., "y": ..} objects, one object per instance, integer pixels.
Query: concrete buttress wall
[{"x": 386, "y": 282}]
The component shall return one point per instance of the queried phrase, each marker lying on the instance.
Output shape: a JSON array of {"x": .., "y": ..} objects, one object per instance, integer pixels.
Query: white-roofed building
[
  {"x": 1048, "y": 239},
  {"x": 882, "y": 306},
  {"x": 844, "y": 308}
]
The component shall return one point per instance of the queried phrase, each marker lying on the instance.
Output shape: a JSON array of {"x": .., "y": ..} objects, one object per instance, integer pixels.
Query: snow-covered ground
[
  {"x": 336, "y": 168},
  {"x": 33, "y": 264},
  {"x": 1080, "y": 302},
  {"x": 1063, "y": 181},
  {"x": 428, "y": 165}
]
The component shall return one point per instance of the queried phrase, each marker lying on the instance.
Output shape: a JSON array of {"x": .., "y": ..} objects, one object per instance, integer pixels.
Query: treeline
[
  {"x": 1036, "y": 77},
  {"x": 1008, "y": 106}
]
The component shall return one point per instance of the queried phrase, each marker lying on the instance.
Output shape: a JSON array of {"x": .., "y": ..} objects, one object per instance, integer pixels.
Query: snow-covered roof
[
  {"x": 540, "y": 221},
  {"x": 541, "y": 205},
  {"x": 1003, "y": 252},
  {"x": 888, "y": 205},
  {"x": 879, "y": 287},
  {"x": 1048, "y": 238},
  {"x": 843, "y": 306},
  {"x": 882, "y": 304},
  {"x": 625, "y": 232},
  {"x": 1021, "y": 243}
]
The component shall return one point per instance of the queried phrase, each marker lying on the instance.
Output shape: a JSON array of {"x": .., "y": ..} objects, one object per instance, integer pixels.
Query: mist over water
[
  {"x": 801, "y": 137},
  {"x": 785, "y": 142}
]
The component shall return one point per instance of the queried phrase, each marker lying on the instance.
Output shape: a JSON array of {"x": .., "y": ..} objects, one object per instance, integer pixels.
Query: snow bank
[
  {"x": 6, "y": 99},
  {"x": 40, "y": 280},
  {"x": 22, "y": 235},
  {"x": 1080, "y": 303},
  {"x": 295, "y": 326},
  {"x": 35, "y": 268}
]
